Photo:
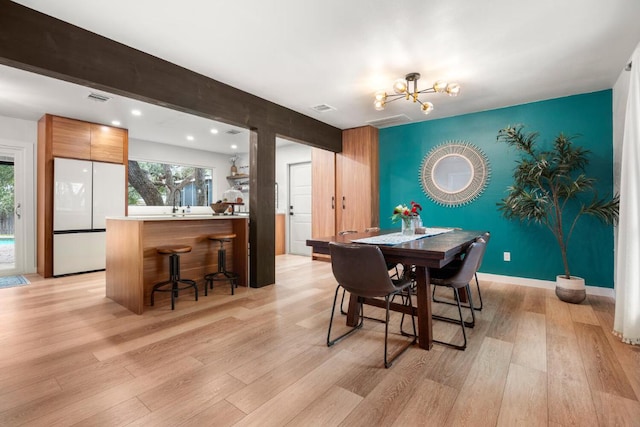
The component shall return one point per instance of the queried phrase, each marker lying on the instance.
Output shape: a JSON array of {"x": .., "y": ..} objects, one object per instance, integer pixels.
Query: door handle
[
  {"x": 343, "y": 202},
  {"x": 333, "y": 202},
  {"x": 290, "y": 210},
  {"x": 18, "y": 210}
]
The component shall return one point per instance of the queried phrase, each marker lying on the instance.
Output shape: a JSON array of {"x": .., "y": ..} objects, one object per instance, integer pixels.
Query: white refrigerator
[{"x": 85, "y": 192}]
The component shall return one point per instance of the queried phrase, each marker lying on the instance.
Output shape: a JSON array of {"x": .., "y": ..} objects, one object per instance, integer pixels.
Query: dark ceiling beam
[{"x": 36, "y": 42}]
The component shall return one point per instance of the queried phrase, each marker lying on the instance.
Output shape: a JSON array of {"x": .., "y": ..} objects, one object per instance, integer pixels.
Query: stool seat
[
  {"x": 175, "y": 280},
  {"x": 173, "y": 249},
  {"x": 222, "y": 274},
  {"x": 220, "y": 236}
]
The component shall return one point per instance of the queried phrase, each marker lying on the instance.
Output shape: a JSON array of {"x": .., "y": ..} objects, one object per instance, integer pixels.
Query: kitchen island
[{"x": 133, "y": 266}]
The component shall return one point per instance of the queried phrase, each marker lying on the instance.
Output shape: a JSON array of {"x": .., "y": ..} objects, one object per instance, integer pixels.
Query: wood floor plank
[
  {"x": 279, "y": 379},
  {"x": 290, "y": 402},
  {"x": 524, "y": 400},
  {"x": 505, "y": 321},
  {"x": 569, "y": 397},
  {"x": 330, "y": 409},
  {"x": 603, "y": 369},
  {"x": 259, "y": 357},
  {"x": 121, "y": 414},
  {"x": 616, "y": 411},
  {"x": 479, "y": 400},
  {"x": 583, "y": 313},
  {"x": 558, "y": 318},
  {"x": 222, "y": 414},
  {"x": 530, "y": 347},
  {"x": 628, "y": 355}
]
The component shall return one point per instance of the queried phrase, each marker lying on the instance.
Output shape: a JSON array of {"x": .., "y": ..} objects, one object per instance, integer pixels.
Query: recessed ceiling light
[
  {"x": 136, "y": 112},
  {"x": 189, "y": 138},
  {"x": 115, "y": 122},
  {"x": 214, "y": 131},
  {"x": 234, "y": 147}
]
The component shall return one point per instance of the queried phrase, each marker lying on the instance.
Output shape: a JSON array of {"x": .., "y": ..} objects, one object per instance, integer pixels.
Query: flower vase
[{"x": 408, "y": 226}]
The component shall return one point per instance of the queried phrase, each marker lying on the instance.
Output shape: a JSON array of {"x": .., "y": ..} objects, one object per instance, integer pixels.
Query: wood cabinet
[
  {"x": 280, "y": 234},
  {"x": 345, "y": 185},
  {"x": 73, "y": 139},
  {"x": 323, "y": 193}
]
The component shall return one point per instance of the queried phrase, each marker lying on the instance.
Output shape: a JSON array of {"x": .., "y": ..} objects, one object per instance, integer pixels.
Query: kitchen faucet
[{"x": 175, "y": 207}]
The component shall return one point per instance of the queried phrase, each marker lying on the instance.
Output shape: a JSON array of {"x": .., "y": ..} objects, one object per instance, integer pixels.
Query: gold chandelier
[{"x": 402, "y": 90}]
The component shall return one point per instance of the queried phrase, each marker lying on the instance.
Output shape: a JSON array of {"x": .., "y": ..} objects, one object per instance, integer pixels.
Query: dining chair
[
  {"x": 460, "y": 279},
  {"x": 362, "y": 271},
  {"x": 390, "y": 266},
  {"x": 454, "y": 266}
]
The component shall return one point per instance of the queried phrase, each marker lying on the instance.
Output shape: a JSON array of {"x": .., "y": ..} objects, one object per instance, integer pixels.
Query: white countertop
[{"x": 177, "y": 217}]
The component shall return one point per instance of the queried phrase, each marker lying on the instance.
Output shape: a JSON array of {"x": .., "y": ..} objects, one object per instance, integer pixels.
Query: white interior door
[
  {"x": 299, "y": 208},
  {"x": 12, "y": 220}
]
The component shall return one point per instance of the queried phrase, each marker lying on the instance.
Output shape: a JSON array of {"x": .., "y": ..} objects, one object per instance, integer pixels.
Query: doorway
[
  {"x": 299, "y": 208},
  {"x": 12, "y": 229}
]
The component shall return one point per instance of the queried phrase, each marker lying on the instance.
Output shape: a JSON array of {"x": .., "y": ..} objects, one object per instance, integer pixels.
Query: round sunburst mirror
[{"x": 454, "y": 173}]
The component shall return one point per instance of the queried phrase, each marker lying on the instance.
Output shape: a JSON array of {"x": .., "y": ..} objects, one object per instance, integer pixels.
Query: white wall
[
  {"x": 285, "y": 156},
  {"x": 23, "y": 134}
]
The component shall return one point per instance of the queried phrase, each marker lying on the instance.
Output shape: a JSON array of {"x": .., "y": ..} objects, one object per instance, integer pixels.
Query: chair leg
[
  {"x": 479, "y": 293},
  {"x": 461, "y": 323},
  {"x": 434, "y": 299},
  {"x": 331, "y": 342},
  {"x": 388, "y": 363}
]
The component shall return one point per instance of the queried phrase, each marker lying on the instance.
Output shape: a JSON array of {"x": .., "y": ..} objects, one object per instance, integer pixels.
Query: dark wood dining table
[{"x": 425, "y": 253}]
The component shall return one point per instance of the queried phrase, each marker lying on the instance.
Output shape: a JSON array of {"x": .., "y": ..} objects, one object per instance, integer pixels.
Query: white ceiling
[{"x": 304, "y": 53}]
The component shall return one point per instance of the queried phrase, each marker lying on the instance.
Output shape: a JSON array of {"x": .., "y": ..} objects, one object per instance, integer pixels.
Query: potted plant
[{"x": 551, "y": 188}]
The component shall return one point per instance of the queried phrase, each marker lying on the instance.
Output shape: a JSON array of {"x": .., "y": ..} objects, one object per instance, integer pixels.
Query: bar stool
[
  {"x": 222, "y": 274},
  {"x": 174, "y": 273}
]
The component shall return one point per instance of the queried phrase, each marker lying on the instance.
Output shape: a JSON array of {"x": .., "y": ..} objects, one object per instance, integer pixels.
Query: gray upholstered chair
[
  {"x": 455, "y": 266},
  {"x": 460, "y": 279},
  {"x": 362, "y": 271}
]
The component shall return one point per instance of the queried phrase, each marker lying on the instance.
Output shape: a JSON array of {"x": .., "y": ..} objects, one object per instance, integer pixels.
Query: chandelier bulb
[
  {"x": 381, "y": 95},
  {"x": 453, "y": 89},
  {"x": 379, "y": 104},
  {"x": 400, "y": 86},
  {"x": 440, "y": 86},
  {"x": 427, "y": 107}
]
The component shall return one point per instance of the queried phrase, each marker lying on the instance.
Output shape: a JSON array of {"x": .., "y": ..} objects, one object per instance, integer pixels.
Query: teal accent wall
[{"x": 534, "y": 251}]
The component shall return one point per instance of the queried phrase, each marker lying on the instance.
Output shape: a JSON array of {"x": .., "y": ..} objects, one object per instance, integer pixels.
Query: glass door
[{"x": 11, "y": 224}]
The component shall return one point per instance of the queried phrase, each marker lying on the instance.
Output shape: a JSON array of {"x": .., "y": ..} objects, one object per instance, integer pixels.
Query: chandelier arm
[{"x": 391, "y": 98}]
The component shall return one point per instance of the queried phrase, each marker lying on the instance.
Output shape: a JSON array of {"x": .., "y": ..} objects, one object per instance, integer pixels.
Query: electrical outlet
[{"x": 507, "y": 256}]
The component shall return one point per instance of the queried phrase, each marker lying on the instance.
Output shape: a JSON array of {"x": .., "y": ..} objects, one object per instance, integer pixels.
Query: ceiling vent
[
  {"x": 98, "y": 97},
  {"x": 323, "y": 108},
  {"x": 233, "y": 132},
  {"x": 390, "y": 121}
]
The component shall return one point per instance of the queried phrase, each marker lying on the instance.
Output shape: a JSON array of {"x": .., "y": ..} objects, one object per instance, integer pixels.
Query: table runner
[{"x": 398, "y": 238}]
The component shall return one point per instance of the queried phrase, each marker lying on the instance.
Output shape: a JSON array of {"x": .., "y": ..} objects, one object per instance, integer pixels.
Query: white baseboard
[{"x": 545, "y": 284}]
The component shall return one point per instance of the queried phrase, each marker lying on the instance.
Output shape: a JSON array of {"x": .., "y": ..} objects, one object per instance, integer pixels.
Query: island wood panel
[
  {"x": 123, "y": 266},
  {"x": 70, "y": 138},
  {"x": 138, "y": 255}
]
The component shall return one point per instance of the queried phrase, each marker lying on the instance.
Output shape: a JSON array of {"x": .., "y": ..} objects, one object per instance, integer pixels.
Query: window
[{"x": 162, "y": 184}]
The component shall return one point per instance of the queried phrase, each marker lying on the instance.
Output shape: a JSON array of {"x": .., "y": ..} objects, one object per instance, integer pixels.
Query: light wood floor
[{"x": 69, "y": 356}]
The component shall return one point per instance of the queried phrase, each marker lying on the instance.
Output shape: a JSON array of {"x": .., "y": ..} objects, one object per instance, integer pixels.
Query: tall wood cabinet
[
  {"x": 74, "y": 139},
  {"x": 345, "y": 187}
]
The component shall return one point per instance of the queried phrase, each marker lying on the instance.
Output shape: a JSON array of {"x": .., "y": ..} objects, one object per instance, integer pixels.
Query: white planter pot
[{"x": 571, "y": 290}]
